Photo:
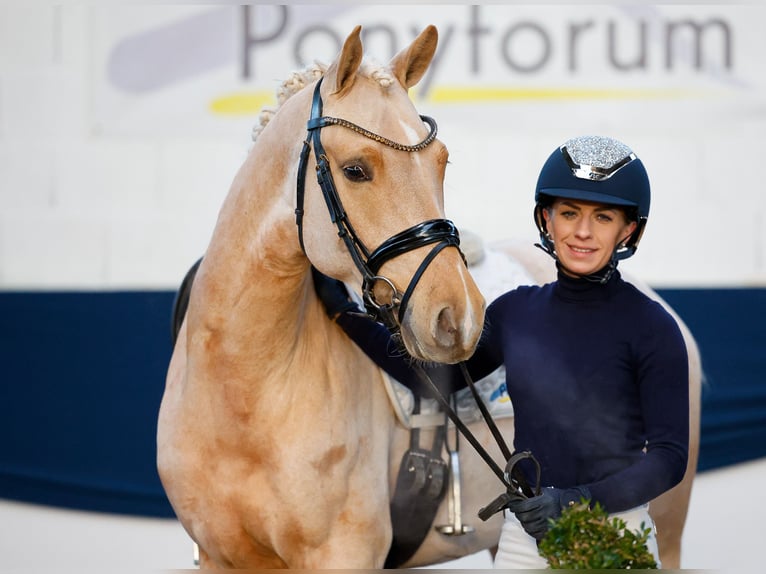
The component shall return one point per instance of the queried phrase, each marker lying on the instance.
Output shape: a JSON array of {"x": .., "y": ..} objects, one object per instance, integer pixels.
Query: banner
[{"x": 196, "y": 68}]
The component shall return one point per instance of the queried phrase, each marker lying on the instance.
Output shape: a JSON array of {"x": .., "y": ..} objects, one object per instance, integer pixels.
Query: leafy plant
[{"x": 585, "y": 538}]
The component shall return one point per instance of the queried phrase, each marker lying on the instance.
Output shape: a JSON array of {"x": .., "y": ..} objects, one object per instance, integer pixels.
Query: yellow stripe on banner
[
  {"x": 251, "y": 103},
  {"x": 453, "y": 95},
  {"x": 242, "y": 103}
]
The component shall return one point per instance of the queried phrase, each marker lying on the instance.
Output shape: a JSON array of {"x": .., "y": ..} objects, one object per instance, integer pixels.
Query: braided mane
[{"x": 298, "y": 80}]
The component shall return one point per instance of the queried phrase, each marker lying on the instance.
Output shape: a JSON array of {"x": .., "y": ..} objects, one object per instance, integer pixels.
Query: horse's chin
[{"x": 435, "y": 350}]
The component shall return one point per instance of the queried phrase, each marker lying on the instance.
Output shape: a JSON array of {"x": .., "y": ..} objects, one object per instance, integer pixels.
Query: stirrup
[{"x": 454, "y": 505}]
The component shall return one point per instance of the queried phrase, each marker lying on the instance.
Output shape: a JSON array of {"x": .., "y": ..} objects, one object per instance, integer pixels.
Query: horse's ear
[
  {"x": 349, "y": 60},
  {"x": 410, "y": 64}
]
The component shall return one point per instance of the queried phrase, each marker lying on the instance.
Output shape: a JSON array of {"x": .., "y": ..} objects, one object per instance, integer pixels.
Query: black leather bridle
[{"x": 442, "y": 232}]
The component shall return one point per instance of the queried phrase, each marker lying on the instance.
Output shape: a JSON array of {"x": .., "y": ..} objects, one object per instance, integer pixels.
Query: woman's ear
[
  {"x": 631, "y": 228},
  {"x": 547, "y": 215}
]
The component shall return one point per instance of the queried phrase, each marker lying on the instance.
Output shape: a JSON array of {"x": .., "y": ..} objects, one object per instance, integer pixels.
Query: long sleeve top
[{"x": 598, "y": 377}]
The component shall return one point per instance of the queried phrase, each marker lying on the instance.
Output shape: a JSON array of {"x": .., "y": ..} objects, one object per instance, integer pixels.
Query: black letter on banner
[
  {"x": 249, "y": 41},
  {"x": 372, "y": 31},
  {"x": 640, "y": 60},
  {"x": 546, "y": 47},
  {"x": 297, "y": 48},
  {"x": 697, "y": 30},
  {"x": 474, "y": 29},
  {"x": 574, "y": 33}
]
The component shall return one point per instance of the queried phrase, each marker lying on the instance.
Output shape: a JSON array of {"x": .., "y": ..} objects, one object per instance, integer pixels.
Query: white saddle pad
[{"x": 495, "y": 273}]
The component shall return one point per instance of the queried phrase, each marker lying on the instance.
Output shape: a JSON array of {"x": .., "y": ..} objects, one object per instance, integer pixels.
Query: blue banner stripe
[{"x": 83, "y": 375}]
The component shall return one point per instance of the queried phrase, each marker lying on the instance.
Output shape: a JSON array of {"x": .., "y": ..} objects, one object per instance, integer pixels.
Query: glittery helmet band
[{"x": 596, "y": 158}]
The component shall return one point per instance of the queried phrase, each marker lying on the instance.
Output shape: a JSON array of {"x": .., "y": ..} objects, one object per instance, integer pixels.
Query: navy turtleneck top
[{"x": 598, "y": 377}]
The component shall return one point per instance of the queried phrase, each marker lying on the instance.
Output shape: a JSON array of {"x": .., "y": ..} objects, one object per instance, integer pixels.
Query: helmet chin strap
[{"x": 601, "y": 276}]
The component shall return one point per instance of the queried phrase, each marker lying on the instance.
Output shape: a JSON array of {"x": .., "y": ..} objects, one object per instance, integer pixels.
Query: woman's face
[{"x": 585, "y": 234}]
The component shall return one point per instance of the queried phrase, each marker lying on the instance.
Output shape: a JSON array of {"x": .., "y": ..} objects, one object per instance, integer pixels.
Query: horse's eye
[{"x": 355, "y": 173}]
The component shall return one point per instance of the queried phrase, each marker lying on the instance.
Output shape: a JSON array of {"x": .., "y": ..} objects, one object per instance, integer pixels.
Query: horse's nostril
[{"x": 446, "y": 328}]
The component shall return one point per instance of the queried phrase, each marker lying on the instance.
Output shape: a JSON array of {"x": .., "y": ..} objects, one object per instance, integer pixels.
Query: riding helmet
[{"x": 600, "y": 169}]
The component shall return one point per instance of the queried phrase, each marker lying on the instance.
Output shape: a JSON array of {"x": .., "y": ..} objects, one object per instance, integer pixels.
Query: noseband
[{"x": 442, "y": 232}]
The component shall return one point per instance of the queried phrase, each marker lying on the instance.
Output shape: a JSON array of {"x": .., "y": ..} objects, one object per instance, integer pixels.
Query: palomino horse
[{"x": 277, "y": 443}]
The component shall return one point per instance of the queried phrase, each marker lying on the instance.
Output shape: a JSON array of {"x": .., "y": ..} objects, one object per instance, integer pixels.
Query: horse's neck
[{"x": 253, "y": 287}]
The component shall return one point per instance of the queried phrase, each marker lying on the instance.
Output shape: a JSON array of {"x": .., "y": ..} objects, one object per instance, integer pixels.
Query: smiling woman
[
  {"x": 585, "y": 234},
  {"x": 591, "y": 205}
]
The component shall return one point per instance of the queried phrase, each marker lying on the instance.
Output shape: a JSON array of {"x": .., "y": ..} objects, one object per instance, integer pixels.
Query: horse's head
[{"x": 381, "y": 173}]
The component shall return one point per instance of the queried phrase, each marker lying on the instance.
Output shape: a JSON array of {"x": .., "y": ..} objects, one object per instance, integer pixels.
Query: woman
[{"x": 596, "y": 370}]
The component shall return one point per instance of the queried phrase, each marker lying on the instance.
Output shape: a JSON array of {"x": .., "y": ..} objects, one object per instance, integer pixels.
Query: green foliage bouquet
[{"x": 585, "y": 538}]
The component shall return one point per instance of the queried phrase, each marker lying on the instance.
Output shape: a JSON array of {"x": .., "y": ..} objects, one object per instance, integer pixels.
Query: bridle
[{"x": 442, "y": 232}]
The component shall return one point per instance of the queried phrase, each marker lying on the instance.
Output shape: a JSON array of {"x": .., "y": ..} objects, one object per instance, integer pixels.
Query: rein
[
  {"x": 442, "y": 232},
  {"x": 512, "y": 478}
]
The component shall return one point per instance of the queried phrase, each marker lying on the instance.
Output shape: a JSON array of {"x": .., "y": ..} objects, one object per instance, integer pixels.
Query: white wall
[{"x": 114, "y": 162}]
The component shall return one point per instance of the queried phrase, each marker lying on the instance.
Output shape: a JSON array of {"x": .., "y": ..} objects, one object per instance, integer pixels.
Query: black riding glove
[
  {"x": 333, "y": 294},
  {"x": 534, "y": 512}
]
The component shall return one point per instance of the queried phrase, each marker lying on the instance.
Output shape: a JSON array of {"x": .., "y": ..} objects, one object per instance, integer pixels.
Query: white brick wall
[
  {"x": 83, "y": 210},
  {"x": 89, "y": 205}
]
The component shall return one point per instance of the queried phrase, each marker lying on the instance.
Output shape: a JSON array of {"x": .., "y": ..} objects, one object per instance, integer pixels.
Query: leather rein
[{"x": 443, "y": 233}]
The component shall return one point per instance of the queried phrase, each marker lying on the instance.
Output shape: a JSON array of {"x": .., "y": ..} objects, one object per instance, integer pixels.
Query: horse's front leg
[
  {"x": 251, "y": 561},
  {"x": 362, "y": 550},
  {"x": 669, "y": 513}
]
